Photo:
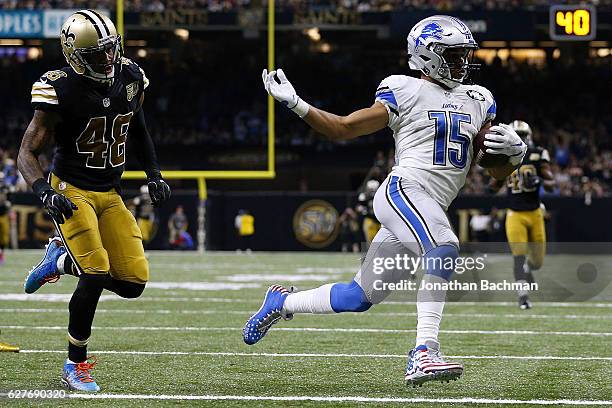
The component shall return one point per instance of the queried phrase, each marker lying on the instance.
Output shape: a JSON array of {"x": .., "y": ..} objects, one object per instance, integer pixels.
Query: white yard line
[
  {"x": 315, "y": 355},
  {"x": 370, "y": 314},
  {"x": 339, "y": 399},
  {"x": 65, "y": 297},
  {"x": 318, "y": 329}
]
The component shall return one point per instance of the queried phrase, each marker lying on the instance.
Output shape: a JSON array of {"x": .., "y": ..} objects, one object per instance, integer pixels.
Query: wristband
[
  {"x": 301, "y": 108},
  {"x": 153, "y": 174}
]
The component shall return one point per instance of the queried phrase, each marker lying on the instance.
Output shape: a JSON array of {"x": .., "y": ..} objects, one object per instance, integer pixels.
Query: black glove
[
  {"x": 58, "y": 206},
  {"x": 532, "y": 182},
  {"x": 159, "y": 190}
]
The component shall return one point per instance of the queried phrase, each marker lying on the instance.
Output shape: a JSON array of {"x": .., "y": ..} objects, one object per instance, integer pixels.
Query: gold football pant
[
  {"x": 5, "y": 227},
  {"x": 370, "y": 228},
  {"x": 146, "y": 229},
  {"x": 102, "y": 235},
  {"x": 527, "y": 235}
]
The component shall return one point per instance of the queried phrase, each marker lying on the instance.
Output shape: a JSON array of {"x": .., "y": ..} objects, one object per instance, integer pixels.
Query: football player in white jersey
[{"x": 434, "y": 120}]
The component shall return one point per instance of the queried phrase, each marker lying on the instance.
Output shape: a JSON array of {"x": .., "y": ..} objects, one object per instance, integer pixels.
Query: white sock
[
  {"x": 60, "y": 262},
  {"x": 430, "y": 304},
  {"x": 310, "y": 301},
  {"x": 522, "y": 292}
]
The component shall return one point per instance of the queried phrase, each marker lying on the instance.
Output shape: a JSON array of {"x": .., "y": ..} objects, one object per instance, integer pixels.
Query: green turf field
[{"x": 181, "y": 341}]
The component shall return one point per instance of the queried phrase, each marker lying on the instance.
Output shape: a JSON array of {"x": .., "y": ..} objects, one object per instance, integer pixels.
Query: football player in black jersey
[
  {"x": 88, "y": 109},
  {"x": 525, "y": 216}
]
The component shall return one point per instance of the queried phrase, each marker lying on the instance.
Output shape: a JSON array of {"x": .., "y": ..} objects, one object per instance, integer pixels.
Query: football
[{"x": 483, "y": 159}]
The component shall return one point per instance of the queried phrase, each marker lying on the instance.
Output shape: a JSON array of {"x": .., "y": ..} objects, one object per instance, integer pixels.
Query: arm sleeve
[
  {"x": 545, "y": 156},
  {"x": 145, "y": 150},
  {"x": 386, "y": 93}
]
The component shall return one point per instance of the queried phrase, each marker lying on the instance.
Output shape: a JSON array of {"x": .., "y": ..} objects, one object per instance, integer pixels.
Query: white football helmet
[
  {"x": 442, "y": 48},
  {"x": 523, "y": 130}
]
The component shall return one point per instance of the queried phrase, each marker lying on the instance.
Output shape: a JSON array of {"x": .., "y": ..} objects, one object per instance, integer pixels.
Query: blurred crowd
[
  {"x": 231, "y": 5},
  {"x": 196, "y": 100}
]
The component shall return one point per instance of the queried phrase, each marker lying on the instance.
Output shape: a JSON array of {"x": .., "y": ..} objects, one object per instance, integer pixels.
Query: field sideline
[{"x": 181, "y": 341}]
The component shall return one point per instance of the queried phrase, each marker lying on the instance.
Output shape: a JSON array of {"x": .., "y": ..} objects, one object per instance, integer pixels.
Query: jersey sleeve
[
  {"x": 44, "y": 95},
  {"x": 545, "y": 156},
  {"x": 145, "y": 80},
  {"x": 490, "y": 105},
  {"x": 387, "y": 93}
]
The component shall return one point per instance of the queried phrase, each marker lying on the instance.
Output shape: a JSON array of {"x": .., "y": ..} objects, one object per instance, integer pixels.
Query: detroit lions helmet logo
[{"x": 431, "y": 30}]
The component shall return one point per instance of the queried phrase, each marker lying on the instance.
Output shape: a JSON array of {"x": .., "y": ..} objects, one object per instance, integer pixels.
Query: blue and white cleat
[
  {"x": 269, "y": 313},
  {"x": 46, "y": 271},
  {"x": 77, "y": 376},
  {"x": 425, "y": 363}
]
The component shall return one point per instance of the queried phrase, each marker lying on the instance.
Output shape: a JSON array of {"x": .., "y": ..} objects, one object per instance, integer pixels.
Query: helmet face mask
[
  {"x": 442, "y": 47},
  {"x": 91, "y": 46},
  {"x": 100, "y": 62}
]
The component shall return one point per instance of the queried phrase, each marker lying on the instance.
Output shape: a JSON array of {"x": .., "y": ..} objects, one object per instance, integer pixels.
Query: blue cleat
[
  {"x": 269, "y": 313},
  {"x": 77, "y": 376},
  {"x": 425, "y": 363},
  {"x": 46, "y": 271}
]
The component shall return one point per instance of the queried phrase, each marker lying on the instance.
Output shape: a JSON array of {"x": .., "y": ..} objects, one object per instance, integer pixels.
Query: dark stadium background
[{"x": 206, "y": 106}]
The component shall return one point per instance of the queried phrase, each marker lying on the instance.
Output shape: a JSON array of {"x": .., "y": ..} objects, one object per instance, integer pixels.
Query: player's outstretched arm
[
  {"x": 39, "y": 132},
  {"x": 359, "y": 123},
  {"x": 145, "y": 152}
]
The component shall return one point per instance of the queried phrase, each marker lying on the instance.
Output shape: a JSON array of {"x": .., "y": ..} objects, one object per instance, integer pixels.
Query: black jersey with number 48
[
  {"x": 91, "y": 136},
  {"x": 521, "y": 196}
]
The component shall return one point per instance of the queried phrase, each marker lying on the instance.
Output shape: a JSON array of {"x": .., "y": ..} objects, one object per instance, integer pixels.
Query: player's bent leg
[
  {"x": 348, "y": 297},
  {"x": 537, "y": 244},
  {"x": 125, "y": 289},
  {"x": 122, "y": 239},
  {"x": 356, "y": 296}
]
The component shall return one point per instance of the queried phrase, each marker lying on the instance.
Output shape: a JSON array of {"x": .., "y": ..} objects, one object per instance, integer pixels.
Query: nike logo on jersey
[{"x": 452, "y": 106}]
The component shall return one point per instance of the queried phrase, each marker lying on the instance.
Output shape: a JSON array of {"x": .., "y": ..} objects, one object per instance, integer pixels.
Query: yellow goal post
[{"x": 202, "y": 175}]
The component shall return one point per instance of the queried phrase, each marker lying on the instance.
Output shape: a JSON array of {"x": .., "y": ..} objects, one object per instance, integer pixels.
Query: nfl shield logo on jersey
[{"x": 106, "y": 102}]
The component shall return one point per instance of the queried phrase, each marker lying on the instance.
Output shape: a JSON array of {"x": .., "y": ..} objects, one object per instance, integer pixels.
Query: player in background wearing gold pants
[{"x": 525, "y": 227}]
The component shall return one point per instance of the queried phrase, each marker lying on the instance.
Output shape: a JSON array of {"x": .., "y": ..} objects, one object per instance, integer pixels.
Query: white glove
[
  {"x": 507, "y": 142},
  {"x": 284, "y": 92}
]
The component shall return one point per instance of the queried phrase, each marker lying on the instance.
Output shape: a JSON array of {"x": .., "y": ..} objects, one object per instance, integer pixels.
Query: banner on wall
[{"x": 35, "y": 23}]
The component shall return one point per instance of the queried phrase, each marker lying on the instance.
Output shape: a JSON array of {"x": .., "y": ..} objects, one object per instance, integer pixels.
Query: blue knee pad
[
  {"x": 348, "y": 297},
  {"x": 437, "y": 261}
]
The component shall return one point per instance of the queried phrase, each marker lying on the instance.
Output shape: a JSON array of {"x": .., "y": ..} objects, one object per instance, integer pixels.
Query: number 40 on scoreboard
[{"x": 573, "y": 22}]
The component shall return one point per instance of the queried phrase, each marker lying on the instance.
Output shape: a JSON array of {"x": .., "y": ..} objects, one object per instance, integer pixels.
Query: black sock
[
  {"x": 82, "y": 310},
  {"x": 519, "y": 272}
]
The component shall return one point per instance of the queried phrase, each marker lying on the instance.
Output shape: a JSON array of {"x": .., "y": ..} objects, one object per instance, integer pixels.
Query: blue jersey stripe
[
  {"x": 387, "y": 96},
  {"x": 409, "y": 214}
]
